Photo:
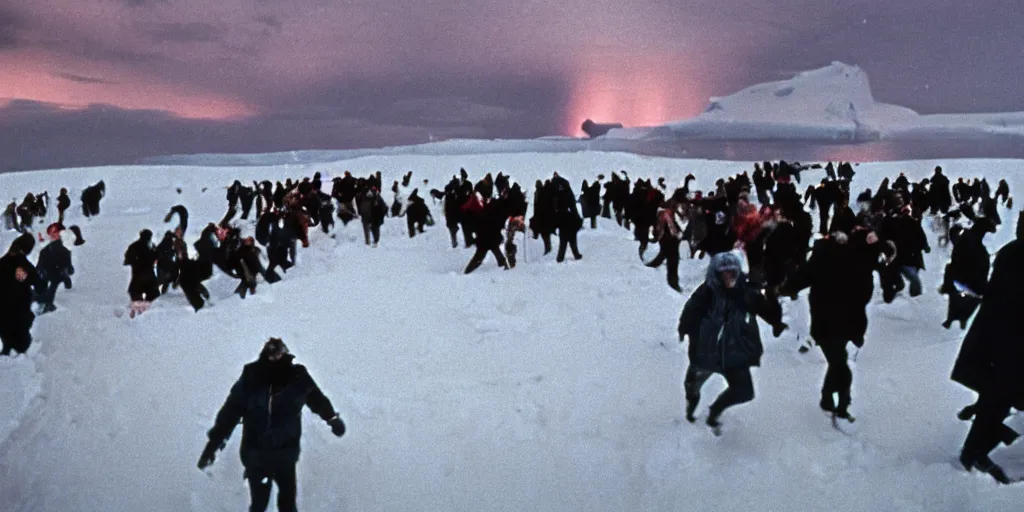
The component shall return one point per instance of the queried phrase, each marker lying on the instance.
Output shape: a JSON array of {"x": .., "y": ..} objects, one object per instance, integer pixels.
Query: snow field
[{"x": 541, "y": 388}]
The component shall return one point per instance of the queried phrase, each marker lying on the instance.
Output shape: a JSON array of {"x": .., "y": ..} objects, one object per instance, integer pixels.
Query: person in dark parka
[
  {"x": 17, "y": 278},
  {"x": 372, "y": 210},
  {"x": 724, "y": 336},
  {"x": 54, "y": 267},
  {"x": 568, "y": 222},
  {"x": 991, "y": 358},
  {"x": 840, "y": 276},
  {"x": 63, "y": 203},
  {"x": 268, "y": 399},
  {"x": 967, "y": 273},
  {"x": 142, "y": 257},
  {"x": 490, "y": 225},
  {"x": 91, "y": 197}
]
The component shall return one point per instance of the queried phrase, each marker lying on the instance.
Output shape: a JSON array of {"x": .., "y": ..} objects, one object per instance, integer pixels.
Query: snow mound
[{"x": 832, "y": 103}]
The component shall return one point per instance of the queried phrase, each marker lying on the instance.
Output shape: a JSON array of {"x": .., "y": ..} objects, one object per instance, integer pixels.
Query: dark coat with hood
[
  {"x": 991, "y": 358},
  {"x": 721, "y": 322},
  {"x": 268, "y": 399}
]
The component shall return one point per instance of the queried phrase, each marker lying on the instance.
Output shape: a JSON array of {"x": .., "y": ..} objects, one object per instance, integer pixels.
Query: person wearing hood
[
  {"x": 840, "y": 274},
  {"x": 719, "y": 319},
  {"x": 268, "y": 400},
  {"x": 17, "y": 278},
  {"x": 991, "y": 359}
]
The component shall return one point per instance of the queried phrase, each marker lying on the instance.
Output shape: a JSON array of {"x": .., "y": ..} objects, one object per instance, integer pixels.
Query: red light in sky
[{"x": 643, "y": 93}]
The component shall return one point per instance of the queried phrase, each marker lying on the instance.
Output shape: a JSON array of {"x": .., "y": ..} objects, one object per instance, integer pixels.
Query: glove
[
  {"x": 208, "y": 456},
  {"x": 337, "y": 426}
]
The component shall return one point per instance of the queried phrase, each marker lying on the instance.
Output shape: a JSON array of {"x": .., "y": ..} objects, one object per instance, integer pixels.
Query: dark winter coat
[
  {"x": 141, "y": 256},
  {"x": 491, "y": 224},
  {"x": 55, "y": 262},
  {"x": 268, "y": 400},
  {"x": 372, "y": 208},
  {"x": 840, "y": 276},
  {"x": 969, "y": 263},
  {"x": 16, "y": 296},
  {"x": 721, "y": 323},
  {"x": 991, "y": 358},
  {"x": 908, "y": 235}
]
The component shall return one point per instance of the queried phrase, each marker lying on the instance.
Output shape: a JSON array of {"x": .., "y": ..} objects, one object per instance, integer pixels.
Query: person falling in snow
[
  {"x": 719, "y": 319},
  {"x": 268, "y": 400}
]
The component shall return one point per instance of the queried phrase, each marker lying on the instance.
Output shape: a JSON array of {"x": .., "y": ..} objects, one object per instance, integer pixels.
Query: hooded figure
[
  {"x": 268, "y": 399},
  {"x": 719, "y": 318}
]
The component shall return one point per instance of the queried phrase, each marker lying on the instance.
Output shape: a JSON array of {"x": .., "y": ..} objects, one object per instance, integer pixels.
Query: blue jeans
[{"x": 910, "y": 273}]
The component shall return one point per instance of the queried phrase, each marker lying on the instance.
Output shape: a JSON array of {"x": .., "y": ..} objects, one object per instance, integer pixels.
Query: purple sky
[{"x": 86, "y": 82}]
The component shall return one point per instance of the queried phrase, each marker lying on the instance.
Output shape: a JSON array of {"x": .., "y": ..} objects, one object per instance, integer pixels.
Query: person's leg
[
  {"x": 259, "y": 491},
  {"x": 838, "y": 377},
  {"x": 286, "y": 489},
  {"x": 673, "y": 265},
  {"x": 496, "y": 251},
  {"x": 563, "y": 244},
  {"x": 694, "y": 380},
  {"x": 477, "y": 259},
  {"x": 986, "y": 433},
  {"x": 740, "y": 390},
  {"x": 911, "y": 273}
]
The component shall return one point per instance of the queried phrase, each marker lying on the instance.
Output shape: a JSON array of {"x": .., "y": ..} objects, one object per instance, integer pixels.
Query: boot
[
  {"x": 691, "y": 407},
  {"x": 985, "y": 464}
]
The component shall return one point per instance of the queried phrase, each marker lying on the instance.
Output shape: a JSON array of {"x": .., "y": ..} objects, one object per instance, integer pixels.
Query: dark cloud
[
  {"x": 82, "y": 79},
  {"x": 195, "y": 32},
  {"x": 359, "y": 72},
  {"x": 30, "y": 131}
]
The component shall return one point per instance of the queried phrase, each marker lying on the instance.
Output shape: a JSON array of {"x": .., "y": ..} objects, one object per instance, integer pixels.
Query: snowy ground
[{"x": 541, "y": 388}]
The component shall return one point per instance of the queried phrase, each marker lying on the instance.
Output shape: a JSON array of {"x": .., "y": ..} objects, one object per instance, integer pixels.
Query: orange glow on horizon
[
  {"x": 638, "y": 94},
  {"x": 25, "y": 78}
]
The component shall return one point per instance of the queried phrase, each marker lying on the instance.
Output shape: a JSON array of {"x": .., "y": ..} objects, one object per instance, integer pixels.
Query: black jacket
[
  {"x": 840, "y": 276},
  {"x": 991, "y": 358},
  {"x": 721, "y": 323},
  {"x": 269, "y": 401},
  {"x": 969, "y": 263},
  {"x": 16, "y": 296},
  {"x": 55, "y": 262}
]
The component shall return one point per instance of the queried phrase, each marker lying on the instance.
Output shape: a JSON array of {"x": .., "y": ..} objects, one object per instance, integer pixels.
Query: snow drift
[
  {"x": 833, "y": 103},
  {"x": 541, "y": 388}
]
